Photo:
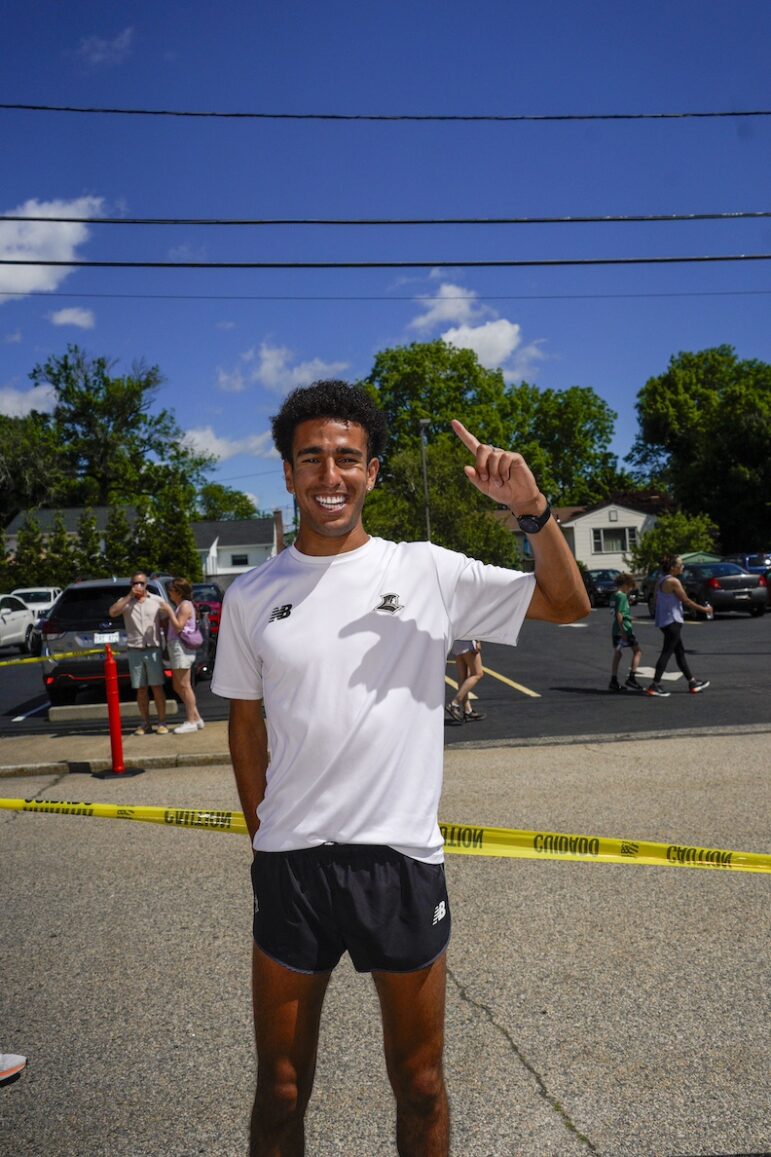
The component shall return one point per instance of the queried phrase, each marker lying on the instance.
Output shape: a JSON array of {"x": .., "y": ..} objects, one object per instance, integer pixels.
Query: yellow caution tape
[
  {"x": 464, "y": 839},
  {"x": 55, "y": 658}
]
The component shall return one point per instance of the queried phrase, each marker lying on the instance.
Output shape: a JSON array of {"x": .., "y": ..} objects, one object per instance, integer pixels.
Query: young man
[
  {"x": 344, "y": 639},
  {"x": 623, "y": 636},
  {"x": 142, "y": 612}
]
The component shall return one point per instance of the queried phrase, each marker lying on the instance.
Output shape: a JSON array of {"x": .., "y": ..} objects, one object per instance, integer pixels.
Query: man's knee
[
  {"x": 419, "y": 1087},
  {"x": 282, "y": 1097}
]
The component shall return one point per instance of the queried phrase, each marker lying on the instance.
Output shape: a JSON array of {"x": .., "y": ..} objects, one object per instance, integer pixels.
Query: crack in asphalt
[{"x": 541, "y": 1088}]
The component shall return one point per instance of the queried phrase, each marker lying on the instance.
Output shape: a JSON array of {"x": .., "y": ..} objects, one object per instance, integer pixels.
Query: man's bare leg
[
  {"x": 412, "y": 1005},
  {"x": 287, "y": 1013},
  {"x": 143, "y": 703},
  {"x": 159, "y": 695}
]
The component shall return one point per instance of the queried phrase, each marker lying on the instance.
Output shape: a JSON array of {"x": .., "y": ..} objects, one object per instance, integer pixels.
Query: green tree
[
  {"x": 216, "y": 501},
  {"x": 118, "y": 542},
  {"x": 144, "y": 545},
  {"x": 573, "y": 429},
  {"x": 109, "y": 443},
  {"x": 89, "y": 555},
  {"x": 6, "y": 563},
  {"x": 29, "y": 557},
  {"x": 705, "y": 427},
  {"x": 61, "y": 554},
  {"x": 31, "y": 473},
  {"x": 435, "y": 381},
  {"x": 462, "y": 519},
  {"x": 676, "y": 533},
  {"x": 176, "y": 550}
]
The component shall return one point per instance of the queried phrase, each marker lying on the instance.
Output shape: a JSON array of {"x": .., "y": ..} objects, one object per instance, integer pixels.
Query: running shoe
[
  {"x": 185, "y": 728},
  {"x": 455, "y": 711},
  {"x": 614, "y": 685},
  {"x": 10, "y": 1065},
  {"x": 657, "y": 690},
  {"x": 474, "y": 716},
  {"x": 632, "y": 685},
  {"x": 697, "y": 685}
]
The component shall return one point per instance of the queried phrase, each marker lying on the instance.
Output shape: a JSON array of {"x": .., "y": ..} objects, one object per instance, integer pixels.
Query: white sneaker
[
  {"x": 185, "y": 728},
  {"x": 200, "y": 724},
  {"x": 10, "y": 1065}
]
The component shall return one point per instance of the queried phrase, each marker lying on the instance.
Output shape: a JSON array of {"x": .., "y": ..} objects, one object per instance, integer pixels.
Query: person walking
[
  {"x": 468, "y": 664},
  {"x": 623, "y": 636},
  {"x": 670, "y": 598},
  {"x": 141, "y": 613},
  {"x": 182, "y": 650},
  {"x": 332, "y": 655}
]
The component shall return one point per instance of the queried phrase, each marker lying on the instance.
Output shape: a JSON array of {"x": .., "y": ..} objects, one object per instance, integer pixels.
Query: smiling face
[{"x": 329, "y": 476}]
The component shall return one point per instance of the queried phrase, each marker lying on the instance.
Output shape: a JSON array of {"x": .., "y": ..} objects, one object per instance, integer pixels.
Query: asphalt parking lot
[{"x": 614, "y": 1010}]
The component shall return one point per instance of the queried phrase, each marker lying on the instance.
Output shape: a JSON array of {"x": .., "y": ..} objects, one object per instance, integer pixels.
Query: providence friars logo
[{"x": 390, "y": 603}]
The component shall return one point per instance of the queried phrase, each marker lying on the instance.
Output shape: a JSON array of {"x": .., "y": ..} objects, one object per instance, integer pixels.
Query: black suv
[{"x": 80, "y": 621}]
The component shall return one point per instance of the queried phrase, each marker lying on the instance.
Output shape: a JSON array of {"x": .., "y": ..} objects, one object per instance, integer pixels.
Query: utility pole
[{"x": 424, "y": 423}]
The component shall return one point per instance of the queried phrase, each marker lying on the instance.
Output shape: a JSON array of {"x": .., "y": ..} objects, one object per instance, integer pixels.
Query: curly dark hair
[
  {"x": 667, "y": 561},
  {"x": 329, "y": 398}
]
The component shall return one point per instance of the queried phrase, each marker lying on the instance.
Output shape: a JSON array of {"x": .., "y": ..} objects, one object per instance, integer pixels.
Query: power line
[
  {"x": 417, "y": 299},
  {"x": 513, "y": 264},
  {"x": 261, "y": 221},
  {"x": 414, "y": 117}
]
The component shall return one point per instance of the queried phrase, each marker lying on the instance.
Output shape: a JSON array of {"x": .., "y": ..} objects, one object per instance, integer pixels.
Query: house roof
[
  {"x": 71, "y": 516},
  {"x": 233, "y": 532},
  {"x": 640, "y": 503}
]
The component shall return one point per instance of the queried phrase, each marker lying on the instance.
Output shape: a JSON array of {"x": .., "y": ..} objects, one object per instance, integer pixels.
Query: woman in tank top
[{"x": 670, "y": 598}]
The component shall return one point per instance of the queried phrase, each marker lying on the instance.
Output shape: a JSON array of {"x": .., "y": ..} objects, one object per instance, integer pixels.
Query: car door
[{"x": 14, "y": 619}]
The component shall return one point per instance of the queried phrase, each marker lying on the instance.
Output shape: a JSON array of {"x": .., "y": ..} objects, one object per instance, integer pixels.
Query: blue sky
[{"x": 231, "y": 343}]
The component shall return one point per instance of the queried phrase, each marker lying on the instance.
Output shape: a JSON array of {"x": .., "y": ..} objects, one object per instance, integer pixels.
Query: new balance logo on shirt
[
  {"x": 390, "y": 603},
  {"x": 440, "y": 911},
  {"x": 281, "y": 612}
]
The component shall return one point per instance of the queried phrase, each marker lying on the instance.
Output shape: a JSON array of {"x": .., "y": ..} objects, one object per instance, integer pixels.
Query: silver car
[{"x": 79, "y": 622}]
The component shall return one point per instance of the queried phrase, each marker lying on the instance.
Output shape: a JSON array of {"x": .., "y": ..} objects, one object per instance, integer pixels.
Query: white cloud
[
  {"x": 82, "y": 318},
  {"x": 493, "y": 343},
  {"x": 274, "y": 372},
  {"x": 497, "y": 344},
  {"x": 231, "y": 381},
  {"x": 95, "y": 50},
  {"x": 226, "y": 325},
  {"x": 42, "y": 241},
  {"x": 451, "y": 303},
  {"x": 18, "y": 403},
  {"x": 202, "y": 439},
  {"x": 271, "y": 367},
  {"x": 12, "y": 338}
]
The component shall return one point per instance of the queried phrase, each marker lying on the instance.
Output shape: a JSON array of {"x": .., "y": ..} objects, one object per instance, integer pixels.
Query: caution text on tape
[{"x": 463, "y": 839}]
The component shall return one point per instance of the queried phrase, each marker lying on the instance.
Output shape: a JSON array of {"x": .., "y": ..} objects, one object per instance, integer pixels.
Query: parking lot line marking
[
  {"x": 34, "y": 711},
  {"x": 451, "y": 683},
  {"x": 510, "y": 683}
]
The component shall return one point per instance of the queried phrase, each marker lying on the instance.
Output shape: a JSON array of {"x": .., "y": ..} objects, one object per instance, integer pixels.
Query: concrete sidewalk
[{"x": 615, "y": 1010}]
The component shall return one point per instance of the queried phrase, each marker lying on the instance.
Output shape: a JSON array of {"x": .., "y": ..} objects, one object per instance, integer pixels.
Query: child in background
[{"x": 622, "y": 634}]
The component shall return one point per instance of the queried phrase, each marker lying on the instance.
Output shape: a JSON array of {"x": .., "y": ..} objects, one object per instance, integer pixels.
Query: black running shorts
[{"x": 388, "y": 911}]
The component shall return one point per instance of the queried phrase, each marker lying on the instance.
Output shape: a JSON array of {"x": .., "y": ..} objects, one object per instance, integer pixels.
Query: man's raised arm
[{"x": 506, "y": 478}]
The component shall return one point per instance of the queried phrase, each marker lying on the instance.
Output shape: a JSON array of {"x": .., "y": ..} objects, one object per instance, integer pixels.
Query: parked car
[
  {"x": 40, "y": 599},
  {"x": 726, "y": 586},
  {"x": 207, "y": 598},
  {"x": 757, "y": 562},
  {"x": 601, "y": 586},
  {"x": 16, "y": 622},
  {"x": 79, "y": 622}
]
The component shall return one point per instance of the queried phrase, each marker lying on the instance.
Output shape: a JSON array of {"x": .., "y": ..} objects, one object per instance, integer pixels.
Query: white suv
[
  {"x": 38, "y": 599},
  {"x": 16, "y": 621}
]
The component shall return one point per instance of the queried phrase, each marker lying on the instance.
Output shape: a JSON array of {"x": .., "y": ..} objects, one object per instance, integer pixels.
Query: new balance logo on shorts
[
  {"x": 281, "y": 612},
  {"x": 440, "y": 911}
]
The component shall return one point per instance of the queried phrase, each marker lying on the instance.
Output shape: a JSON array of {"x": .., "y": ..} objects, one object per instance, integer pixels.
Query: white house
[
  {"x": 230, "y": 547},
  {"x": 601, "y": 535}
]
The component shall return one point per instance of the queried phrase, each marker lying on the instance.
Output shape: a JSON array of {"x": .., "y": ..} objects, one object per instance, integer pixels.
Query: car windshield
[
  {"x": 34, "y": 596},
  {"x": 204, "y": 591},
  {"x": 603, "y": 575}
]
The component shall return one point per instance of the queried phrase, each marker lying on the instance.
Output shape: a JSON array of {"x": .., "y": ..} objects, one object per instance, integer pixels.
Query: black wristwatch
[{"x": 532, "y": 523}]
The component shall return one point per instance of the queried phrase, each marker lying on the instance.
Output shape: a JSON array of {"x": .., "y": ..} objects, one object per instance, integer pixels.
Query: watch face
[{"x": 529, "y": 523}]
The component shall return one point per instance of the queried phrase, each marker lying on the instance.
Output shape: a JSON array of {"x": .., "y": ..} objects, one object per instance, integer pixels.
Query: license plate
[
  {"x": 742, "y": 596},
  {"x": 106, "y": 636}
]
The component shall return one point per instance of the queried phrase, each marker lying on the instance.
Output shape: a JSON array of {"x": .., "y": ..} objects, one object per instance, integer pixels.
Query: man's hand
[{"x": 501, "y": 474}]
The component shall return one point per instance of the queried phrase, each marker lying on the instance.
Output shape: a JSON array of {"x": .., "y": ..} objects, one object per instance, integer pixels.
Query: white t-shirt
[{"x": 348, "y": 653}]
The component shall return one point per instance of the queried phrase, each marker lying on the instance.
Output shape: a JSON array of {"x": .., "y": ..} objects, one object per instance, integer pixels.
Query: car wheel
[
  {"x": 24, "y": 647},
  {"x": 756, "y": 612}
]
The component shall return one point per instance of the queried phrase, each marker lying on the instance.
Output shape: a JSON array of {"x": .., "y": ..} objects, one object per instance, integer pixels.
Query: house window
[
  {"x": 239, "y": 560},
  {"x": 618, "y": 540}
]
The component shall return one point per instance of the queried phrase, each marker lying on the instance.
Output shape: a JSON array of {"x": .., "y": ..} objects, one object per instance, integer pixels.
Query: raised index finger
[{"x": 469, "y": 441}]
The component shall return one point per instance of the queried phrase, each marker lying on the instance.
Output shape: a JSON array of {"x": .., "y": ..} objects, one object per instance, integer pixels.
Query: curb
[{"x": 89, "y": 766}]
